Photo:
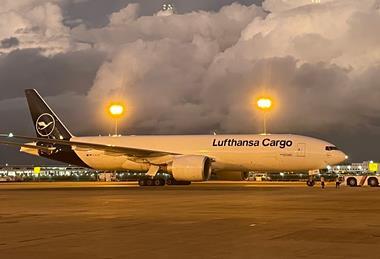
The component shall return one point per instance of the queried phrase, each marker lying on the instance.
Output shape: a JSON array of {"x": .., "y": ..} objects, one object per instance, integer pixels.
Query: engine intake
[{"x": 191, "y": 168}]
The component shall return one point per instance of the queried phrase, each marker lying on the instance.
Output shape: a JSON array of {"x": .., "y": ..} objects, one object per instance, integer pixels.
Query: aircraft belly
[
  {"x": 97, "y": 160},
  {"x": 266, "y": 161},
  {"x": 296, "y": 163}
]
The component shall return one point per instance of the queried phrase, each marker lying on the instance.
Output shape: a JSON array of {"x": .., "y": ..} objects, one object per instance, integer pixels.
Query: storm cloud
[{"x": 199, "y": 70}]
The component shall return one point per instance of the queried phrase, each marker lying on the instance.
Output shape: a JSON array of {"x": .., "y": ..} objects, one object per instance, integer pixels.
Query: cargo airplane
[{"x": 185, "y": 158}]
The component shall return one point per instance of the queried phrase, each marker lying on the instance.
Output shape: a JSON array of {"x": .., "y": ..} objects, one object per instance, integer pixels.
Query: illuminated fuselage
[{"x": 277, "y": 152}]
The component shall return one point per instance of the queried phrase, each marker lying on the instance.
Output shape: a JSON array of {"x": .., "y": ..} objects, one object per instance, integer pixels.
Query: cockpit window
[{"x": 330, "y": 148}]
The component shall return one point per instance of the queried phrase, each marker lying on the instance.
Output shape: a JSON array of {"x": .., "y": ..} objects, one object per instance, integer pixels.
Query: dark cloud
[
  {"x": 66, "y": 72},
  {"x": 95, "y": 13},
  {"x": 9, "y": 43},
  {"x": 184, "y": 6}
]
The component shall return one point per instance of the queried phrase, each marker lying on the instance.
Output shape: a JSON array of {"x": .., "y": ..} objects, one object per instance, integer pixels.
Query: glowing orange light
[
  {"x": 116, "y": 110},
  {"x": 264, "y": 103}
]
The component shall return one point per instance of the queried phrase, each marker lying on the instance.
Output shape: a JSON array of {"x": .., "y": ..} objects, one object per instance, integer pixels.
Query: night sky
[{"x": 196, "y": 71}]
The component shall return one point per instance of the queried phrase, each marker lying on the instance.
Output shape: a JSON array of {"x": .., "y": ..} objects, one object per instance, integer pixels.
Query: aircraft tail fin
[{"x": 46, "y": 122}]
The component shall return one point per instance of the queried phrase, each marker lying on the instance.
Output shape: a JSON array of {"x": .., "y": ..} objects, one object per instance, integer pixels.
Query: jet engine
[
  {"x": 191, "y": 168},
  {"x": 231, "y": 176}
]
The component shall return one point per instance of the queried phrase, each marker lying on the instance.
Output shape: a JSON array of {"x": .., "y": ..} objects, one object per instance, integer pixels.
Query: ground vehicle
[
  {"x": 361, "y": 180},
  {"x": 6, "y": 179}
]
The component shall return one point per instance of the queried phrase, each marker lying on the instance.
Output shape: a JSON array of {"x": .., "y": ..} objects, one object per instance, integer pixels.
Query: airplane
[{"x": 186, "y": 158}]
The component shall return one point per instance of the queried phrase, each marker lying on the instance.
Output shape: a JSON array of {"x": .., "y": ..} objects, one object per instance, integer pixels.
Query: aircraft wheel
[
  {"x": 157, "y": 182},
  {"x": 310, "y": 183},
  {"x": 142, "y": 182},
  {"x": 149, "y": 182}
]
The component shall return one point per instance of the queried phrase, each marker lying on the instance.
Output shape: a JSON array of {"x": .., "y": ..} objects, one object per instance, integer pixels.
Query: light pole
[
  {"x": 264, "y": 104},
  {"x": 116, "y": 110}
]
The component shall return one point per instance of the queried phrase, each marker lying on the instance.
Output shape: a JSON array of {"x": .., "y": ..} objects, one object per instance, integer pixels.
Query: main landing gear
[
  {"x": 152, "y": 179},
  {"x": 151, "y": 182},
  {"x": 161, "y": 182}
]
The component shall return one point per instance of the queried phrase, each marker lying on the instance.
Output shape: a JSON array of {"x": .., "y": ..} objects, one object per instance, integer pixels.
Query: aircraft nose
[
  {"x": 337, "y": 157},
  {"x": 341, "y": 156}
]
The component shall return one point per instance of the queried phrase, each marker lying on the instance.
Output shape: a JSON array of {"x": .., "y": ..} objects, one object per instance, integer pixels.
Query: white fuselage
[{"x": 277, "y": 152}]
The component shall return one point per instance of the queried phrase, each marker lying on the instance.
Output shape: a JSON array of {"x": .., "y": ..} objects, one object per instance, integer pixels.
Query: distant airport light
[
  {"x": 264, "y": 104},
  {"x": 116, "y": 110}
]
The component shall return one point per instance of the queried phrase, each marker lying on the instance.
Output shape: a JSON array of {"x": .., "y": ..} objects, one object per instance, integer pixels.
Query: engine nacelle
[
  {"x": 191, "y": 168},
  {"x": 231, "y": 176}
]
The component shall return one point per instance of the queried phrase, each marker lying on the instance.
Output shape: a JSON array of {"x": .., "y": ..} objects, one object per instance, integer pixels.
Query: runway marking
[{"x": 252, "y": 225}]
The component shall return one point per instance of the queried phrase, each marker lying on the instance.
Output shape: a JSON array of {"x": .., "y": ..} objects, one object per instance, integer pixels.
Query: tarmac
[{"x": 204, "y": 220}]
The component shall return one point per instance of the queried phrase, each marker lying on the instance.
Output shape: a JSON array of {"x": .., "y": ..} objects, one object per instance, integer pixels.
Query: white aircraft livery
[{"x": 186, "y": 158}]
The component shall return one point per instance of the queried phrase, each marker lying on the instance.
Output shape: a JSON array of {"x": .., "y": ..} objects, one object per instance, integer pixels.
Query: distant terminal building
[
  {"x": 72, "y": 173},
  {"x": 30, "y": 172},
  {"x": 366, "y": 167},
  {"x": 11, "y": 173}
]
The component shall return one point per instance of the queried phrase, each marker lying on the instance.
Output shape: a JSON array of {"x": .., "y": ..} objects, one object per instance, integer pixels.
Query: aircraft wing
[{"x": 128, "y": 151}]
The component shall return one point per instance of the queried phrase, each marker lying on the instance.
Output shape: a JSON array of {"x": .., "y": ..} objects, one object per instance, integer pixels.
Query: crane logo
[{"x": 45, "y": 124}]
